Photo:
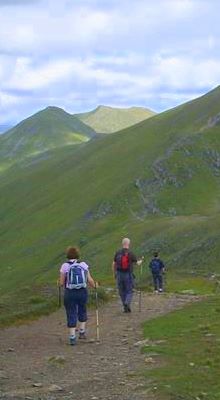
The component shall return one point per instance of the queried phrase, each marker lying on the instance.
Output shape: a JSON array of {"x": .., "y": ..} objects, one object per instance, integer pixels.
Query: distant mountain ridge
[
  {"x": 106, "y": 119},
  {"x": 53, "y": 128},
  {"x": 47, "y": 129}
]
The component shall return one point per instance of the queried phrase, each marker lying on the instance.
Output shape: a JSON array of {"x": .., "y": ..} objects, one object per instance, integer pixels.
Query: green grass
[
  {"x": 93, "y": 194},
  {"x": 25, "y": 310},
  {"x": 195, "y": 285},
  {"x": 43, "y": 302},
  {"x": 190, "y": 354},
  {"x": 180, "y": 283}
]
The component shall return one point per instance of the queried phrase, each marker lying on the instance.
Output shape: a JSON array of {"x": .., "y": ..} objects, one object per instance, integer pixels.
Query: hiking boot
[
  {"x": 82, "y": 335},
  {"x": 156, "y": 291},
  {"x": 125, "y": 308},
  {"x": 128, "y": 309},
  {"x": 72, "y": 340},
  {"x": 160, "y": 290}
]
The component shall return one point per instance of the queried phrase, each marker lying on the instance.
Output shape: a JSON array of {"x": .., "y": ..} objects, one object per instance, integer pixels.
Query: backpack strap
[{"x": 71, "y": 263}]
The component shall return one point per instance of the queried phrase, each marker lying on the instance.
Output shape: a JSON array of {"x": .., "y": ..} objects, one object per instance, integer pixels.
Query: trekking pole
[
  {"x": 164, "y": 280},
  {"x": 139, "y": 302},
  {"x": 140, "y": 293},
  {"x": 59, "y": 293},
  {"x": 97, "y": 314}
]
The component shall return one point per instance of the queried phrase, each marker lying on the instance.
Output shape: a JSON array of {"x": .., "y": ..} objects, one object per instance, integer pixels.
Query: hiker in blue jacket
[
  {"x": 122, "y": 268},
  {"x": 157, "y": 268}
]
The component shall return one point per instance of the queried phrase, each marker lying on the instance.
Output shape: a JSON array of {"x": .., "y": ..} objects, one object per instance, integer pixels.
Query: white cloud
[
  {"x": 78, "y": 54},
  {"x": 180, "y": 7},
  {"x": 7, "y": 100},
  {"x": 27, "y": 76},
  {"x": 183, "y": 72},
  {"x": 38, "y": 30}
]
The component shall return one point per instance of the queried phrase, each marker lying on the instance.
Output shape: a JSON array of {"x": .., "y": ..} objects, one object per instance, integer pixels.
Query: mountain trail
[{"x": 36, "y": 362}]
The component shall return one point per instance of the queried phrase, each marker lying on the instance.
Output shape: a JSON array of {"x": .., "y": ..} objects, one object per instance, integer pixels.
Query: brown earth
[{"x": 36, "y": 361}]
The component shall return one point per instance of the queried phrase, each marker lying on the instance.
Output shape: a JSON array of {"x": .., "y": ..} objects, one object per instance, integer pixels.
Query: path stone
[
  {"x": 11, "y": 350},
  {"x": 37, "y": 385},
  {"x": 141, "y": 343},
  {"x": 55, "y": 388},
  {"x": 149, "y": 360}
]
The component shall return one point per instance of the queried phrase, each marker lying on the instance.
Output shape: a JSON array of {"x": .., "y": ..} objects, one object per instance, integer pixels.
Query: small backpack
[
  {"x": 76, "y": 277},
  {"x": 124, "y": 261}
]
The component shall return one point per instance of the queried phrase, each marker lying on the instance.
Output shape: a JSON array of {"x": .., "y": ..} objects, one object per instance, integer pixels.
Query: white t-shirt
[{"x": 66, "y": 266}]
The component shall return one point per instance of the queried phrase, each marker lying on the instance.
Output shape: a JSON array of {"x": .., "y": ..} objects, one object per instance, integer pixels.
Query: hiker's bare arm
[
  {"x": 62, "y": 279},
  {"x": 91, "y": 281},
  {"x": 114, "y": 268}
]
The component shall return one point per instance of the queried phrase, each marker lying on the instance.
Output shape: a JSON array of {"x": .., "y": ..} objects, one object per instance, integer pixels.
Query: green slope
[
  {"x": 109, "y": 119},
  {"x": 187, "y": 345},
  {"x": 158, "y": 182},
  {"x": 47, "y": 129}
]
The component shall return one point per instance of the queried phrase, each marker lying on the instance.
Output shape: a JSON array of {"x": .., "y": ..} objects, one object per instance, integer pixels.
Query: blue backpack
[
  {"x": 76, "y": 278},
  {"x": 155, "y": 265}
]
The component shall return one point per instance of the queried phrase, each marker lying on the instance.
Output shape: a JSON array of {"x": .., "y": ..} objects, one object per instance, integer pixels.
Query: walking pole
[
  {"x": 97, "y": 314},
  {"x": 164, "y": 280},
  {"x": 139, "y": 300},
  {"x": 59, "y": 293},
  {"x": 140, "y": 294}
]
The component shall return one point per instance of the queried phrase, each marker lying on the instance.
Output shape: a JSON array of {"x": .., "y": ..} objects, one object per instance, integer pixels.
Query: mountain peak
[
  {"x": 107, "y": 119},
  {"x": 102, "y": 107},
  {"x": 54, "y": 109},
  {"x": 49, "y": 128}
]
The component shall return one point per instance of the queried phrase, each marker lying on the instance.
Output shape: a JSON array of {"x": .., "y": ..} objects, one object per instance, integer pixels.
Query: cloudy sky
[{"x": 77, "y": 54}]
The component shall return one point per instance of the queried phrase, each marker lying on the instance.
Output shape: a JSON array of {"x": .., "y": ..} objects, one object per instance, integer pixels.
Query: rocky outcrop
[
  {"x": 214, "y": 121},
  {"x": 165, "y": 173}
]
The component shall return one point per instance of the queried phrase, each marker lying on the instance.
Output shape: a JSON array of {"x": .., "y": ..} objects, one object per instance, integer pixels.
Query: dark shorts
[{"x": 75, "y": 302}]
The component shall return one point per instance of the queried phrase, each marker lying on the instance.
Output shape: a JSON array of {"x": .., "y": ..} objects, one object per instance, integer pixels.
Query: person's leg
[
  {"x": 160, "y": 282},
  {"x": 82, "y": 312},
  {"x": 121, "y": 289},
  {"x": 128, "y": 290},
  {"x": 82, "y": 327},
  {"x": 155, "y": 281},
  {"x": 71, "y": 313}
]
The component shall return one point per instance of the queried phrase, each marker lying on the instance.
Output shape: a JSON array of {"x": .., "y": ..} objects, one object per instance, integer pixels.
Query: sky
[{"x": 77, "y": 54}]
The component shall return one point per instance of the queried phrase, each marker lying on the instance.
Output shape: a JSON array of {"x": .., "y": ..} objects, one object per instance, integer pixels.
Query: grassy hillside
[
  {"x": 186, "y": 342},
  {"x": 47, "y": 129},
  {"x": 108, "y": 119},
  {"x": 157, "y": 182}
]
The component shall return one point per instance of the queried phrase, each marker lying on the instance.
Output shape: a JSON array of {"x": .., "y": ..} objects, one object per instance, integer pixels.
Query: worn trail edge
[{"x": 36, "y": 361}]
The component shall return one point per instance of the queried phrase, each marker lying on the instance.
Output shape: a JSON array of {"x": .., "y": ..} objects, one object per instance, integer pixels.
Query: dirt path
[{"x": 38, "y": 353}]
